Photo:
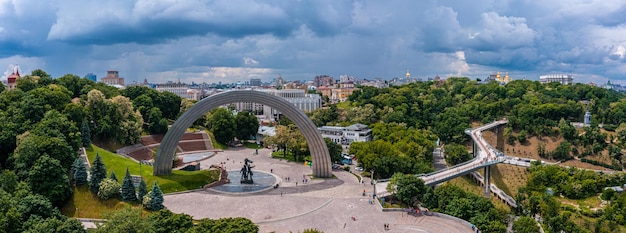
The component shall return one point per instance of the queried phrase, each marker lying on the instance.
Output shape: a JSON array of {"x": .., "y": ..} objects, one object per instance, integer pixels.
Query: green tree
[
  {"x": 169, "y": 104},
  {"x": 85, "y": 134},
  {"x": 31, "y": 147},
  {"x": 238, "y": 224},
  {"x": 8, "y": 181},
  {"x": 521, "y": 137},
  {"x": 10, "y": 216},
  {"x": 407, "y": 188},
  {"x": 164, "y": 221},
  {"x": 26, "y": 83},
  {"x": 561, "y": 151},
  {"x": 280, "y": 138},
  {"x": 113, "y": 176},
  {"x": 2, "y": 88},
  {"x": 334, "y": 149},
  {"x": 222, "y": 125},
  {"x": 75, "y": 112},
  {"x": 36, "y": 205},
  {"x": 79, "y": 175},
  {"x": 456, "y": 153},
  {"x": 129, "y": 122},
  {"x": 568, "y": 131},
  {"x": 128, "y": 188},
  {"x": 297, "y": 144},
  {"x": 142, "y": 190},
  {"x": 156, "y": 198},
  {"x": 156, "y": 123},
  {"x": 607, "y": 194},
  {"x": 98, "y": 173},
  {"x": 246, "y": 125},
  {"x": 125, "y": 220},
  {"x": 55, "y": 124},
  {"x": 109, "y": 188},
  {"x": 48, "y": 178},
  {"x": 54, "y": 225},
  {"x": 451, "y": 125}
]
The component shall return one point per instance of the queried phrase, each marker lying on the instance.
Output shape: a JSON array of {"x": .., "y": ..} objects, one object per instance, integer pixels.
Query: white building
[
  {"x": 561, "y": 78},
  {"x": 298, "y": 97},
  {"x": 180, "y": 89},
  {"x": 347, "y": 135}
]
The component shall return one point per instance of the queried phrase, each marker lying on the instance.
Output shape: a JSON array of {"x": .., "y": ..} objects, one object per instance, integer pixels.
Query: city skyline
[{"x": 229, "y": 41}]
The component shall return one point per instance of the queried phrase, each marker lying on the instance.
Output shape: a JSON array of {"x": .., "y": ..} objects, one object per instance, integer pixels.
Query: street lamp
[{"x": 372, "y": 181}]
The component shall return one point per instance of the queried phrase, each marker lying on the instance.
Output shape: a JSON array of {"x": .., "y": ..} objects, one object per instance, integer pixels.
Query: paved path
[{"x": 324, "y": 204}]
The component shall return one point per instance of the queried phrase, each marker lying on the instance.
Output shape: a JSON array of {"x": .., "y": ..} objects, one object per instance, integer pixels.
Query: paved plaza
[{"x": 325, "y": 204}]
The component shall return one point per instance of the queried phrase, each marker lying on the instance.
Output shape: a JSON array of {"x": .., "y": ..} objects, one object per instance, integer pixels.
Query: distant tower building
[
  {"x": 255, "y": 82},
  {"x": 408, "y": 75},
  {"x": 92, "y": 77},
  {"x": 12, "y": 79},
  {"x": 278, "y": 81},
  {"x": 587, "y": 119},
  {"x": 113, "y": 79}
]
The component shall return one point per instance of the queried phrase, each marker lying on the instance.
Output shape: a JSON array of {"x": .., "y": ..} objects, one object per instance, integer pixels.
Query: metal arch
[{"x": 317, "y": 145}]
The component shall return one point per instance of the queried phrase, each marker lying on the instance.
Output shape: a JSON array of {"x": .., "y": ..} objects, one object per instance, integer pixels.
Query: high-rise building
[
  {"x": 323, "y": 80},
  {"x": 561, "y": 78},
  {"x": 92, "y": 77},
  {"x": 113, "y": 79},
  {"x": 255, "y": 82}
]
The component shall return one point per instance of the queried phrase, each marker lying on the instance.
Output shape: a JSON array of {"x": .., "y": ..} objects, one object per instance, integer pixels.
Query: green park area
[
  {"x": 85, "y": 204},
  {"x": 176, "y": 182}
]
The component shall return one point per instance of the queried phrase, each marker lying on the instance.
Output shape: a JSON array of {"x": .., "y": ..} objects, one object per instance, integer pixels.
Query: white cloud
[
  {"x": 250, "y": 61},
  {"x": 169, "y": 39},
  {"x": 26, "y": 64}
]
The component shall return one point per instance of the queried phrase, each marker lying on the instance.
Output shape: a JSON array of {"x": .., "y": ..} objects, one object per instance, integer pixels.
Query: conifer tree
[
  {"x": 143, "y": 190},
  {"x": 80, "y": 173},
  {"x": 85, "y": 134},
  {"x": 128, "y": 188},
  {"x": 156, "y": 197},
  {"x": 98, "y": 173},
  {"x": 113, "y": 176},
  {"x": 75, "y": 165}
]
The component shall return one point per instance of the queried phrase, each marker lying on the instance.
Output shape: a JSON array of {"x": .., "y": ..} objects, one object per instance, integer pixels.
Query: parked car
[
  {"x": 337, "y": 166},
  {"x": 358, "y": 168}
]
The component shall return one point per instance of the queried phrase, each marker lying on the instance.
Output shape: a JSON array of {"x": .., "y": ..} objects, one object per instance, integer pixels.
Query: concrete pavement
[{"x": 324, "y": 204}]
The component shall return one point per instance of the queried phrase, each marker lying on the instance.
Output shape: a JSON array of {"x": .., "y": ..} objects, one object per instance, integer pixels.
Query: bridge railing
[
  {"x": 466, "y": 169},
  {"x": 467, "y": 131}
]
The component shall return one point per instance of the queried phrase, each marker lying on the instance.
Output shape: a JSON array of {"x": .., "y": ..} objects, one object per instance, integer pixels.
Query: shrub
[{"x": 109, "y": 188}]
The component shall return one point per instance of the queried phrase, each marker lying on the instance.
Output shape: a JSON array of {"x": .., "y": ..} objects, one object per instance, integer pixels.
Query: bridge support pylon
[
  {"x": 499, "y": 131},
  {"x": 474, "y": 149},
  {"x": 486, "y": 181}
]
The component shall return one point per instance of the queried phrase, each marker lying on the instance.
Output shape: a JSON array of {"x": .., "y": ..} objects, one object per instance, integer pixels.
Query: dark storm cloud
[{"x": 220, "y": 40}]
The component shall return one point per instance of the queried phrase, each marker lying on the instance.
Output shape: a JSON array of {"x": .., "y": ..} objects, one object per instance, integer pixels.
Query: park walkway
[{"x": 324, "y": 204}]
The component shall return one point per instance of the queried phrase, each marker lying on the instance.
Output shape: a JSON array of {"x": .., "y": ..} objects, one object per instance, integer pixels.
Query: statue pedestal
[{"x": 250, "y": 181}]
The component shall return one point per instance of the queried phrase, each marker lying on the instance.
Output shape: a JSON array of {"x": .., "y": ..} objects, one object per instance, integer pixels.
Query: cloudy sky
[{"x": 235, "y": 40}]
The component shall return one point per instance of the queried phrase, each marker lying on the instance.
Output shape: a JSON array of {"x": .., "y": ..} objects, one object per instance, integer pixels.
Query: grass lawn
[
  {"x": 287, "y": 156},
  {"x": 587, "y": 203},
  {"x": 177, "y": 181},
  {"x": 216, "y": 145},
  {"x": 469, "y": 185},
  {"x": 252, "y": 145},
  {"x": 85, "y": 204},
  {"x": 344, "y": 105}
]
